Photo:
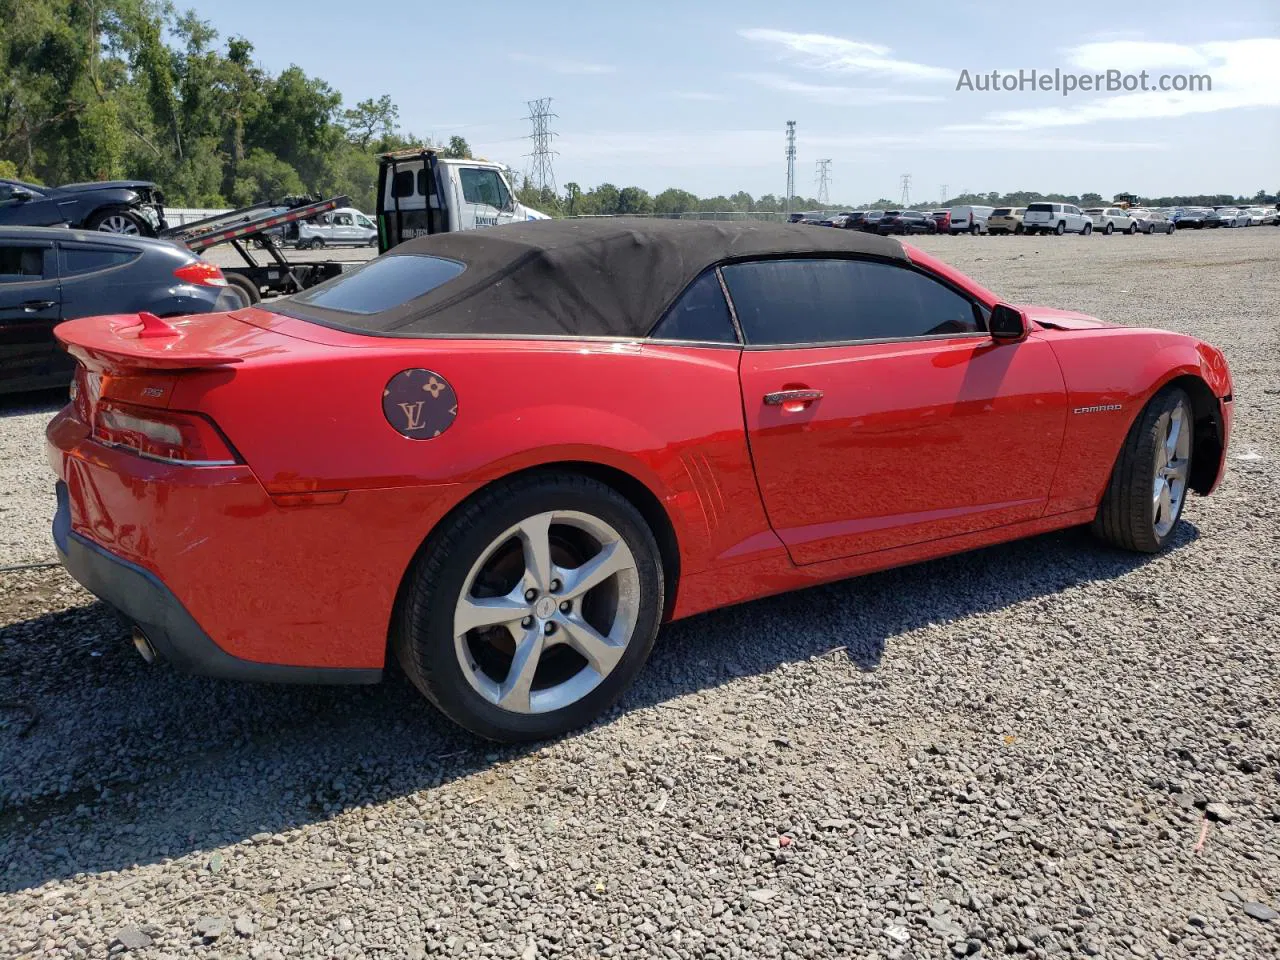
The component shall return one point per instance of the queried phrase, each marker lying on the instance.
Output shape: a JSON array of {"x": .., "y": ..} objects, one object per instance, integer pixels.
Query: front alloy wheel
[{"x": 1148, "y": 486}]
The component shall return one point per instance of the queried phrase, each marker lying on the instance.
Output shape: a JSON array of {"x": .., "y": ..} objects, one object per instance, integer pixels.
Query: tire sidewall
[{"x": 452, "y": 691}]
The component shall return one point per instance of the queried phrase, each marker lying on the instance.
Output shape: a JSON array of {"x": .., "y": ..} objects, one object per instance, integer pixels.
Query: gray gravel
[{"x": 1044, "y": 749}]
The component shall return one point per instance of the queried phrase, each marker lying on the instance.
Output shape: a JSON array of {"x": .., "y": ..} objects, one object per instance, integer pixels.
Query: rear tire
[
  {"x": 1109, "y": 229},
  {"x": 1148, "y": 488},
  {"x": 246, "y": 287},
  {"x": 492, "y": 544},
  {"x": 1061, "y": 228}
]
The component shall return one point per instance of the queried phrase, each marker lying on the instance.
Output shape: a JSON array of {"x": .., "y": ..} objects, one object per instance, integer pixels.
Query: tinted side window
[
  {"x": 825, "y": 301},
  {"x": 700, "y": 314},
  {"x": 402, "y": 185},
  {"x": 87, "y": 260},
  {"x": 382, "y": 284},
  {"x": 21, "y": 264}
]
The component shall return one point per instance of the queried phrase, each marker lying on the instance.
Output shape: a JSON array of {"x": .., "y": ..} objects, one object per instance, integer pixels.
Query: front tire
[
  {"x": 1148, "y": 487},
  {"x": 1088, "y": 229},
  {"x": 119, "y": 220},
  {"x": 532, "y": 608}
]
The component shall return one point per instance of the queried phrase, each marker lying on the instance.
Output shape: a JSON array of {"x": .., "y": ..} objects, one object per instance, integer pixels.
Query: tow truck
[
  {"x": 259, "y": 224},
  {"x": 420, "y": 193}
]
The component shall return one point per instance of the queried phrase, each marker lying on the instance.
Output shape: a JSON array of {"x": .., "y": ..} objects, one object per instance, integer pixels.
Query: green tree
[
  {"x": 457, "y": 149},
  {"x": 634, "y": 200},
  {"x": 369, "y": 119},
  {"x": 262, "y": 176}
]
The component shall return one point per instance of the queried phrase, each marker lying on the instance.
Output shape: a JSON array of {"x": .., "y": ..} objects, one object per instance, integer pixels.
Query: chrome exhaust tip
[{"x": 143, "y": 645}]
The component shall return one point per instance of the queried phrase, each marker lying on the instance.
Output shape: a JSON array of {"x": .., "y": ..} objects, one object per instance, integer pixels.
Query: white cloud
[
  {"x": 839, "y": 55},
  {"x": 1245, "y": 73},
  {"x": 824, "y": 93},
  {"x": 559, "y": 65}
]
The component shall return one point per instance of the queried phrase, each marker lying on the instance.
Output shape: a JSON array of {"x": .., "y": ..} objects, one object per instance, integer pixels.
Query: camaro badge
[
  {"x": 1100, "y": 408},
  {"x": 419, "y": 403}
]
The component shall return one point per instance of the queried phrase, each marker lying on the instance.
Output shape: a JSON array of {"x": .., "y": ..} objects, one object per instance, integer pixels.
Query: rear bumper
[{"x": 145, "y": 601}]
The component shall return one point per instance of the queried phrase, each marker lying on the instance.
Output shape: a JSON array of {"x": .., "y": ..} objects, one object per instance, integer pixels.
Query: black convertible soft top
[{"x": 586, "y": 278}]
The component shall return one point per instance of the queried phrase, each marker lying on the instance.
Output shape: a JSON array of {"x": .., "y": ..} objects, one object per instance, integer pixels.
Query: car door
[
  {"x": 30, "y": 307},
  {"x": 879, "y": 411}
]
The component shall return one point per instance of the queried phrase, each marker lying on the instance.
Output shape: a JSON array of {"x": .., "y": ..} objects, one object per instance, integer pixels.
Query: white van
[
  {"x": 970, "y": 219},
  {"x": 420, "y": 193}
]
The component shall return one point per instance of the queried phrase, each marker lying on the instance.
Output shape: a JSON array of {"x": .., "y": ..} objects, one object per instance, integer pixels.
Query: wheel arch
[{"x": 1207, "y": 437}]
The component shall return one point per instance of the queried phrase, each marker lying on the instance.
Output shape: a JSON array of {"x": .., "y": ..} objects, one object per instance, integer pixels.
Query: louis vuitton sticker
[{"x": 419, "y": 403}]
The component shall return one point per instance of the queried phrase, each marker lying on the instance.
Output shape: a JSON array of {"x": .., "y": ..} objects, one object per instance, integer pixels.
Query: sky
[{"x": 696, "y": 94}]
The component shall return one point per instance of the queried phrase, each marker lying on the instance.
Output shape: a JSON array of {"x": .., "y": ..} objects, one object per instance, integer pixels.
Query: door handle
[
  {"x": 786, "y": 397},
  {"x": 31, "y": 306}
]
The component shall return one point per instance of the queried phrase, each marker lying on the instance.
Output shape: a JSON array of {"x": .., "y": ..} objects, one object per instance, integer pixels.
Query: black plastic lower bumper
[{"x": 143, "y": 600}]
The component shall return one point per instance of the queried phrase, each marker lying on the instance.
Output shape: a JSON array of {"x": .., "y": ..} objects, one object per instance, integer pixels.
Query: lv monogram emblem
[{"x": 413, "y": 414}]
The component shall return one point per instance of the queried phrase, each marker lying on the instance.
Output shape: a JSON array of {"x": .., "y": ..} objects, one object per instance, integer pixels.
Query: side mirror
[
  {"x": 21, "y": 195},
  {"x": 1007, "y": 324}
]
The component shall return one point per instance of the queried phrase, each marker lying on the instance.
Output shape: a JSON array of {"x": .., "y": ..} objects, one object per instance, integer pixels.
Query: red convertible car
[{"x": 505, "y": 457}]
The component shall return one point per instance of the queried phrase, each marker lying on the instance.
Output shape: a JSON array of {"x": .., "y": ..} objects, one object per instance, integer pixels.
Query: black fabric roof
[{"x": 594, "y": 277}]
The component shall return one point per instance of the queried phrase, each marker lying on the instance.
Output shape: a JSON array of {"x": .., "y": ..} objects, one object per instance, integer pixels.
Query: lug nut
[
  {"x": 565, "y": 606},
  {"x": 549, "y": 629},
  {"x": 527, "y": 622},
  {"x": 531, "y": 594},
  {"x": 555, "y": 586}
]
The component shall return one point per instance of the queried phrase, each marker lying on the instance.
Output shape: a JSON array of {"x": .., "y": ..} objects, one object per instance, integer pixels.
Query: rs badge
[{"x": 419, "y": 403}]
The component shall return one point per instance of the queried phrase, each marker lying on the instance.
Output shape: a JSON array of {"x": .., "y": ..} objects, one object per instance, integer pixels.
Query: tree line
[{"x": 113, "y": 89}]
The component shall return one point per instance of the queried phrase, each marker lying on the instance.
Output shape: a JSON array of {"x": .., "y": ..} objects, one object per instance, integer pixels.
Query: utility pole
[
  {"x": 791, "y": 163},
  {"x": 823, "y": 177},
  {"x": 943, "y": 199},
  {"x": 906, "y": 190},
  {"x": 541, "y": 175}
]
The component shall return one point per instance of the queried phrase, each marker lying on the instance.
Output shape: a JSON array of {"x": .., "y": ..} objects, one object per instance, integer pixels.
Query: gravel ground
[{"x": 1045, "y": 749}]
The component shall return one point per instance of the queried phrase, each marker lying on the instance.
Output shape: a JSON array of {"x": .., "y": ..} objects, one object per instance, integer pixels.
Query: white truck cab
[{"x": 420, "y": 193}]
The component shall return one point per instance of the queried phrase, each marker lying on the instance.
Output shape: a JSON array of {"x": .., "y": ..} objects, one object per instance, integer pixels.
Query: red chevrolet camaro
[{"x": 505, "y": 457}]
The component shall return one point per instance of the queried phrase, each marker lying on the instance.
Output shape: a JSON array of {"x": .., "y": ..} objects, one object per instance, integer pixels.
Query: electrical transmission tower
[
  {"x": 791, "y": 163},
  {"x": 943, "y": 199},
  {"x": 823, "y": 177},
  {"x": 541, "y": 175},
  {"x": 906, "y": 190}
]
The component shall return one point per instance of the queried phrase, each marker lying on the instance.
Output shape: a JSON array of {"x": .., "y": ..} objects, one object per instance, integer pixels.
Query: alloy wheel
[
  {"x": 546, "y": 612},
  {"x": 1173, "y": 460},
  {"x": 117, "y": 223}
]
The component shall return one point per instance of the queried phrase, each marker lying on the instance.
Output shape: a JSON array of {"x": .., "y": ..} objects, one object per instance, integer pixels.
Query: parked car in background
[
  {"x": 1056, "y": 218},
  {"x": 906, "y": 222},
  {"x": 48, "y": 275},
  {"x": 355, "y": 442},
  {"x": 801, "y": 217},
  {"x": 1108, "y": 220},
  {"x": 1006, "y": 220},
  {"x": 871, "y": 220},
  {"x": 853, "y": 221},
  {"x": 969, "y": 219},
  {"x": 1151, "y": 221},
  {"x": 1226, "y": 217},
  {"x": 131, "y": 207},
  {"x": 1191, "y": 218},
  {"x": 344, "y": 227},
  {"x": 1265, "y": 216},
  {"x": 943, "y": 219}
]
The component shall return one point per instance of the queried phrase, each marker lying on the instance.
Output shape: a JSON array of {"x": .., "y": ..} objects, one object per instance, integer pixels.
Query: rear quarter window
[
  {"x": 91, "y": 259},
  {"x": 389, "y": 281}
]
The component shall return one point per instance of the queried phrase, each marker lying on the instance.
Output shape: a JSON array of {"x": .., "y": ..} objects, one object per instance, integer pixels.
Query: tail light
[
  {"x": 166, "y": 435},
  {"x": 201, "y": 272}
]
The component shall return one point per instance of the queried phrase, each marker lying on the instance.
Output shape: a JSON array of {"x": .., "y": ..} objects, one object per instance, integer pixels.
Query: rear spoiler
[{"x": 144, "y": 341}]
